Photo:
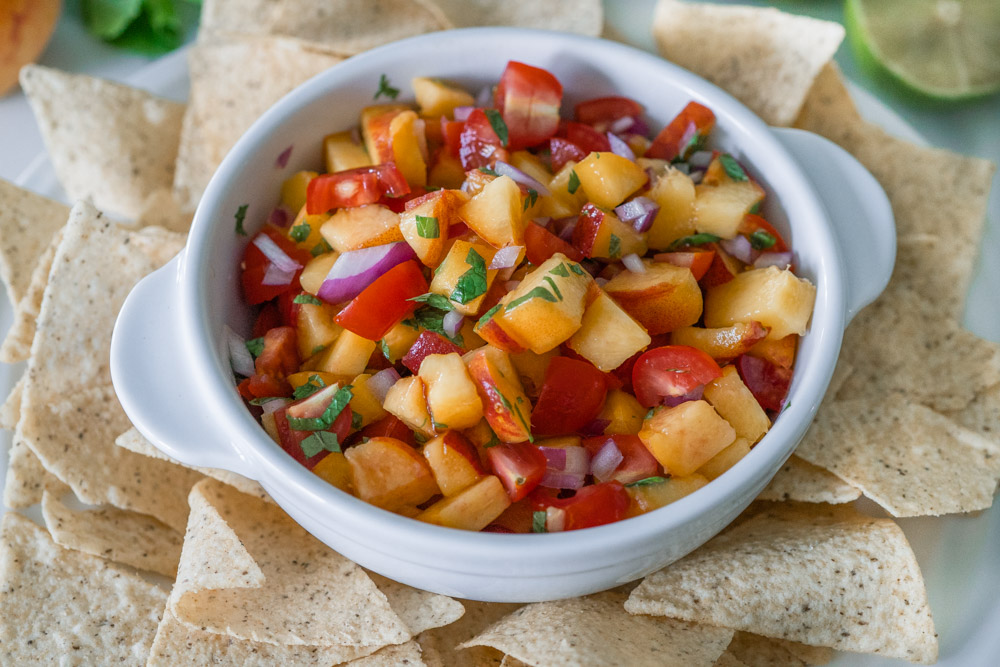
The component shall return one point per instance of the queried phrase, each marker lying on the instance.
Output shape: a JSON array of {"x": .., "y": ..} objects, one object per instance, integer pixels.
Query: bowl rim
[{"x": 276, "y": 467}]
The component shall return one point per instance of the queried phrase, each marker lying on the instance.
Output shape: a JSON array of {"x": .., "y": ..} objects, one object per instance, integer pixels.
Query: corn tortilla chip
[
  {"x": 765, "y": 58},
  {"x": 27, "y": 478},
  {"x": 909, "y": 459},
  {"x": 17, "y": 344},
  {"x": 802, "y": 481},
  {"x": 982, "y": 415},
  {"x": 10, "y": 411},
  {"x": 232, "y": 84},
  {"x": 756, "y": 651},
  {"x": 93, "y": 612},
  {"x": 69, "y": 413},
  {"x": 828, "y": 109},
  {"x": 419, "y": 610},
  {"x": 109, "y": 142},
  {"x": 118, "y": 535},
  {"x": 440, "y": 645},
  {"x": 727, "y": 659},
  {"x": 825, "y": 576},
  {"x": 161, "y": 209},
  {"x": 585, "y": 17},
  {"x": 595, "y": 630},
  {"x": 297, "y": 592},
  {"x": 400, "y": 655},
  {"x": 27, "y": 224}
]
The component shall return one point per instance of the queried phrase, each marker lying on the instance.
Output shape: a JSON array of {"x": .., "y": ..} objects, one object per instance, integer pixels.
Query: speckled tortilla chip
[
  {"x": 17, "y": 344},
  {"x": 801, "y": 481},
  {"x": 232, "y": 83},
  {"x": 756, "y": 651},
  {"x": 249, "y": 571},
  {"x": 812, "y": 574},
  {"x": 27, "y": 224},
  {"x": 27, "y": 478},
  {"x": 440, "y": 645},
  {"x": 982, "y": 415},
  {"x": 585, "y": 17},
  {"x": 161, "y": 209},
  {"x": 765, "y": 58},
  {"x": 69, "y": 413},
  {"x": 419, "y": 610},
  {"x": 727, "y": 659},
  {"x": 909, "y": 459},
  {"x": 400, "y": 655},
  {"x": 828, "y": 109},
  {"x": 10, "y": 411},
  {"x": 595, "y": 630},
  {"x": 108, "y": 142},
  {"x": 118, "y": 535},
  {"x": 59, "y": 606}
]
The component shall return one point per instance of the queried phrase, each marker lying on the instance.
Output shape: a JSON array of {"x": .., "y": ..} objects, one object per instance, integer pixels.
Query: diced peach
[
  {"x": 456, "y": 264},
  {"x": 562, "y": 203},
  {"x": 399, "y": 340},
  {"x": 342, "y": 152},
  {"x": 608, "y": 335},
  {"x": 531, "y": 369},
  {"x": 446, "y": 171},
  {"x": 364, "y": 401},
  {"x": 725, "y": 459},
  {"x": 451, "y": 395},
  {"x": 267, "y": 421},
  {"x": 348, "y": 356},
  {"x": 674, "y": 193},
  {"x": 495, "y": 213},
  {"x": 608, "y": 179},
  {"x": 409, "y": 147},
  {"x": 336, "y": 470},
  {"x": 780, "y": 351},
  {"x": 361, "y": 227},
  {"x": 724, "y": 343},
  {"x": 662, "y": 298},
  {"x": 719, "y": 209},
  {"x": 776, "y": 298},
  {"x": 496, "y": 333},
  {"x": 425, "y": 226},
  {"x": 649, "y": 497},
  {"x": 407, "y": 400},
  {"x": 623, "y": 411},
  {"x": 731, "y": 399},
  {"x": 438, "y": 98},
  {"x": 472, "y": 509},
  {"x": 304, "y": 377},
  {"x": 316, "y": 328},
  {"x": 454, "y": 462},
  {"x": 685, "y": 437},
  {"x": 375, "y": 123},
  {"x": 316, "y": 270},
  {"x": 293, "y": 190},
  {"x": 505, "y": 406},
  {"x": 304, "y": 230},
  {"x": 390, "y": 474},
  {"x": 599, "y": 233}
]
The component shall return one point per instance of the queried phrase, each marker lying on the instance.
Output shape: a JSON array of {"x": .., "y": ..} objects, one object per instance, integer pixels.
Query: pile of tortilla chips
[{"x": 145, "y": 561}]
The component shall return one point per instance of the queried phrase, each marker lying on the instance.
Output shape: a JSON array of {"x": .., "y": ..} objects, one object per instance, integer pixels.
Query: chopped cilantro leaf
[
  {"x": 488, "y": 171},
  {"x": 649, "y": 481},
  {"x": 314, "y": 384},
  {"x": 241, "y": 214},
  {"x": 538, "y": 292},
  {"x": 324, "y": 421},
  {"x": 560, "y": 270},
  {"x": 555, "y": 288},
  {"x": 574, "y": 182},
  {"x": 498, "y": 124},
  {"x": 761, "y": 240},
  {"x": 732, "y": 167},
  {"x": 320, "y": 248},
  {"x": 530, "y": 199},
  {"x": 427, "y": 227},
  {"x": 694, "y": 239},
  {"x": 300, "y": 232},
  {"x": 307, "y": 298},
  {"x": 432, "y": 319},
  {"x": 577, "y": 269},
  {"x": 488, "y": 315},
  {"x": 438, "y": 426},
  {"x": 434, "y": 300},
  {"x": 538, "y": 522},
  {"x": 385, "y": 350},
  {"x": 695, "y": 143},
  {"x": 318, "y": 442},
  {"x": 385, "y": 88},
  {"x": 255, "y": 346},
  {"x": 615, "y": 247},
  {"x": 472, "y": 283}
]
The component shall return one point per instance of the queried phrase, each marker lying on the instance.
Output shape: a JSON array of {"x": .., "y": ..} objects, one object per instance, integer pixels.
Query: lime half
[{"x": 942, "y": 49}]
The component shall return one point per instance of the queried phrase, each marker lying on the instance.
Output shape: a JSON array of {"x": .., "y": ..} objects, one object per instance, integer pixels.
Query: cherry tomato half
[
  {"x": 520, "y": 466},
  {"x": 671, "y": 371},
  {"x": 479, "y": 144},
  {"x": 256, "y": 265},
  {"x": 766, "y": 381}
]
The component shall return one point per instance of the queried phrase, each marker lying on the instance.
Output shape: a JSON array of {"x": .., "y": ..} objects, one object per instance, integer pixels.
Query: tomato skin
[
  {"x": 540, "y": 244},
  {"x": 385, "y": 302},
  {"x": 388, "y": 427},
  {"x": 752, "y": 222},
  {"x": 671, "y": 371},
  {"x": 280, "y": 356},
  {"x": 606, "y": 109},
  {"x": 698, "y": 260},
  {"x": 572, "y": 396},
  {"x": 529, "y": 99},
  {"x": 694, "y": 118},
  {"x": 562, "y": 150},
  {"x": 638, "y": 463},
  {"x": 451, "y": 135},
  {"x": 766, "y": 381},
  {"x": 268, "y": 318},
  {"x": 427, "y": 343},
  {"x": 256, "y": 263},
  {"x": 520, "y": 466},
  {"x": 479, "y": 145},
  {"x": 291, "y": 439},
  {"x": 587, "y": 138},
  {"x": 354, "y": 187},
  {"x": 594, "y": 505}
]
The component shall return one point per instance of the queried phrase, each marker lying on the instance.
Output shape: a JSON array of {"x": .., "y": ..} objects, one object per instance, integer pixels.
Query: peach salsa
[{"x": 487, "y": 316}]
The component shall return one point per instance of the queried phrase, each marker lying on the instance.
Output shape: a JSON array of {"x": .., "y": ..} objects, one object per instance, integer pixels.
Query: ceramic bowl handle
[
  {"x": 858, "y": 208},
  {"x": 153, "y": 382}
]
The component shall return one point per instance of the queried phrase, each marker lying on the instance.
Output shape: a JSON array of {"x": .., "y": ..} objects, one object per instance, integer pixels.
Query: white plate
[{"x": 959, "y": 556}]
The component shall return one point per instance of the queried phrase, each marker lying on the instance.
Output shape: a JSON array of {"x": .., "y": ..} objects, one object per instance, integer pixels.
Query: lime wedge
[{"x": 942, "y": 49}]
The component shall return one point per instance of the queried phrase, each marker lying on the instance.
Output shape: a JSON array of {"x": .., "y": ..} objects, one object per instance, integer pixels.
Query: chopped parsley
[
  {"x": 694, "y": 239},
  {"x": 300, "y": 232},
  {"x": 574, "y": 182},
  {"x": 427, "y": 227},
  {"x": 434, "y": 300},
  {"x": 472, "y": 283},
  {"x": 255, "y": 346},
  {"x": 530, "y": 199},
  {"x": 318, "y": 442},
  {"x": 649, "y": 481},
  {"x": 314, "y": 384},
  {"x": 385, "y": 88},
  {"x": 615, "y": 247},
  {"x": 324, "y": 421},
  {"x": 241, "y": 214},
  {"x": 538, "y": 522},
  {"x": 499, "y": 126},
  {"x": 732, "y": 167},
  {"x": 307, "y": 298},
  {"x": 761, "y": 240}
]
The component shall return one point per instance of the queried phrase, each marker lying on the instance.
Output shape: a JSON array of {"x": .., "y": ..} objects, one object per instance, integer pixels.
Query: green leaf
[
  {"x": 255, "y": 346},
  {"x": 301, "y": 232},
  {"x": 317, "y": 349},
  {"x": 385, "y": 350},
  {"x": 615, "y": 247},
  {"x": 538, "y": 292},
  {"x": 356, "y": 419},
  {"x": 385, "y": 88},
  {"x": 266, "y": 399},
  {"x": 555, "y": 288},
  {"x": 493, "y": 441},
  {"x": 530, "y": 199},
  {"x": 324, "y": 421},
  {"x": 755, "y": 209},
  {"x": 577, "y": 269},
  {"x": 538, "y": 522},
  {"x": 694, "y": 239},
  {"x": 560, "y": 270},
  {"x": 488, "y": 171},
  {"x": 652, "y": 411},
  {"x": 314, "y": 384},
  {"x": 649, "y": 481},
  {"x": 472, "y": 283},
  {"x": 695, "y": 143},
  {"x": 318, "y": 442},
  {"x": 498, "y": 124},
  {"x": 435, "y": 301},
  {"x": 488, "y": 315},
  {"x": 761, "y": 240},
  {"x": 108, "y": 19},
  {"x": 732, "y": 167},
  {"x": 427, "y": 227},
  {"x": 320, "y": 248},
  {"x": 432, "y": 319},
  {"x": 439, "y": 426},
  {"x": 307, "y": 298},
  {"x": 419, "y": 437},
  {"x": 574, "y": 182},
  {"x": 241, "y": 214}
]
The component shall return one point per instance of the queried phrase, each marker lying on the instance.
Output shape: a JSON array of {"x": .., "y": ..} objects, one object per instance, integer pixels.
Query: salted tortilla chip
[
  {"x": 825, "y": 576},
  {"x": 440, "y": 645},
  {"x": 27, "y": 478},
  {"x": 909, "y": 459},
  {"x": 17, "y": 345},
  {"x": 61, "y": 605},
  {"x": 585, "y": 17},
  {"x": 69, "y": 413},
  {"x": 10, "y": 411},
  {"x": 134, "y": 441},
  {"x": 400, "y": 655},
  {"x": 801, "y": 481},
  {"x": 118, "y": 535},
  {"x": 982, "y": 415},
  {"x": 727, "y": 659},
  {"x": 419, "y": 610},
  {"x": 765, "y": 58},
  {"x": 27, "y": 224},
  {"x": 756, "y": 651},
  {"x": 301, "y": 592},
  {"x": 108, "y": 142},
  {"x": 595, "y": 630},
  {"x": 232, "y": 84},
  {"x": 161, "y": 209},
  {"x": 828, "y": 109}
]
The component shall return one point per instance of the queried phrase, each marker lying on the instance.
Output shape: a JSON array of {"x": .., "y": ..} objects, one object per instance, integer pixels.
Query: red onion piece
[
  {"x": 561, "y": 480},
  {"x": 282, "y": 161},
  {"x": 462, "y": 113},
  {"x": 622, "y": 124},
  {"x": 555, "y": 519},
  {"x": 619, "y": 147},
  {"x": 506, "y": 257},
  {"x": 686, "y": 138},
  {"x": 639, "y": 211},
  {"x": 601, "y": 282},
  {"x": 485, "y": 97},
  {"x": 381, "y": 382},
  {"x": 566, "y": 230},
  {"x": 780, "y": 259},
  {"x": 519, "y": 177},
  {"x": 239, "y": 356},
  {"x": 280, "y": 217},
  {"x": 597, "y": 426},
  {"x": 633, "y": 263},
  {"x": 274, "y": 253},
  {"x": 739, "y": 247},
  {"x": 357, "y": 269},
  {"x": 275, "y": 405},
  {"x": 693, "y": 395},
  {"x": 276, "y": 276},
  {"x": 700, "y": 159},
  {"x": 574, "y": 460},
  {"x": 452, "y": 322},
  {"x": 606, "y": 461}
]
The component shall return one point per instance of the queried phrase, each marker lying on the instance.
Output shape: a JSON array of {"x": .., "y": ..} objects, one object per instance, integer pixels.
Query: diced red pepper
[
  {"x": 427, "y": 343},
  {"x": 587, "y": 138},
  {"x": 354, "y": 187},
  {"x": 694, "y": 122},
  {"x": 385, "y": 302}
]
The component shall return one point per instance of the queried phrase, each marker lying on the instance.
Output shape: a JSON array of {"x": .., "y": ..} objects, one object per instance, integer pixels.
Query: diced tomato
[
  {"x": 540, "y": 244},
  {"x": 752, "y": 223},
  {"x": 606, "y": 110},
  {"x": 280, "y": 356},
  {"x": 479, "y": 145},
  {"x": 671, "y": 371},
  {"x": 427, "y": 343},
  {"x": 637, "y": 462},
  {"x": 520, "y": 466},
  {"x": 377, "y": 361},
  {"x": 268, "y": 318},
  {"x": 562, "y": 150},
  {"x": 698, "y": 260},
  {"x": 529, "y": 99},
  {"x": 451, "y": 135},
  {"x": 572, "y": 396},
  {"x": 388, "y": 427},
  {"x": 291, "y": 439},
  {"x": 723, "y": 268},
  {"x": 385, "y": 302},
  {"x": 584, "y": 136},
  {"x": 354, "y": 187},
  {"x": 676, "y": 139},
  {"x": 594, "y": 505},
  {"x": 256, "y": 264},
  {"x": 264, "y": 385},
  {"x": 399, "y": 204},
  {"x": 766, "y": 381},
  {"x": 244, "y": 388}
]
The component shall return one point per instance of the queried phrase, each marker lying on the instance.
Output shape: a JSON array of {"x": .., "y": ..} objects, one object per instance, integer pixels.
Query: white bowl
[{"x": 171, "y": 370}]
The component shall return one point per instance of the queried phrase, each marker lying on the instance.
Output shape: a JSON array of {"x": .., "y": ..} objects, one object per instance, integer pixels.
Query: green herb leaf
[
  {"x": 419, "y": 437},
  {"x": 574, "y": 182},
  {"x": 762, "y": 240},
  {"x": 555, "y": 288},
  {"x": 432, "y": 319},
  {"x": 324, "y": 421},
  {"x": 300, "y": 232},
  {"x": 498, "y": 124},
  {"x": 318, "y": 442},
  {"x": 649, "y": 415},
  {"x": 385, "y": 350},
  {"x": 560, "y": 270},
  {"x": 307, "y": 298},
  {"x": 493, "y": 441},
  {"x": 317, "y": 349},
  {"x": 694, "y": 239},
  {"x": 472, "y": 283},
  {"x": 384, "y": 88},
  {"x": 150, "y": 27},
  {"x": 488, "y": 315},
  {"x": 538, "y": 522},
  {"x": 649, "y": 481},
  {"x": 488, "y": 171},
  {"x": 255, "y": 346},
  {"x": 108, "y": 19},
  {"x": 732, "y": 167},
  {"x": 695, "y": 143},
  {"x": 755, "y": 209},
  {"x": 320, "y": 248},
  {"x": 314, "y": 384},
  {"x": 427, "y": 227},
  {"x": 537, "y": 292},
  {"x": 266, "y": 399},
  {"x": 439, "y": 426},
  {"x": 530, "y": 199},
  {"x": 356, "y": 419},
  {"x": 435, "y": 301},
  {"x": 241, "y": 214},
  {"x": 577, "y": 269},
  {"x": 614, "y": 247}
]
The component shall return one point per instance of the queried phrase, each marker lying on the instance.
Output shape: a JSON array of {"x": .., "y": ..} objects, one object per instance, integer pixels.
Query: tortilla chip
[
  {"x": 232, "y": 84},
  {"x": 17, "y": 345},
  {"x": 440, "y": 645},
  {"x": 108, "y": 142},
  {"x": 909, "y": 459},
  {"x": 801, "y": 481},
  {"x": 345, "y": 27},
  {"x": 134, "y": 441},
  {"x": 69, "y": 413},
  {"x": 27, "y": 478},
  {"x": 161, "y": 209},
  {"x": 727, "y": 659},
  {"x": 585, "y": 17},
  {"x": 595, "y": 630},
  {"x": 826, "y": 576},
  {"x": 982, "y": 415},
  {"x": 118, "y": 535},
  {"x": 10, "y": 411},
  {"x": 249, "y": 571},
  {"x": 829, "y": 109},
  {"x": 401, "y": 655},
  {"x": 419, "y": 610},
  {"x": 765, "y": 58},
  {"x": 27, "y": 224},
  {"x": 59, "y": 605},
  {"x": 756, "y": 651}
]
